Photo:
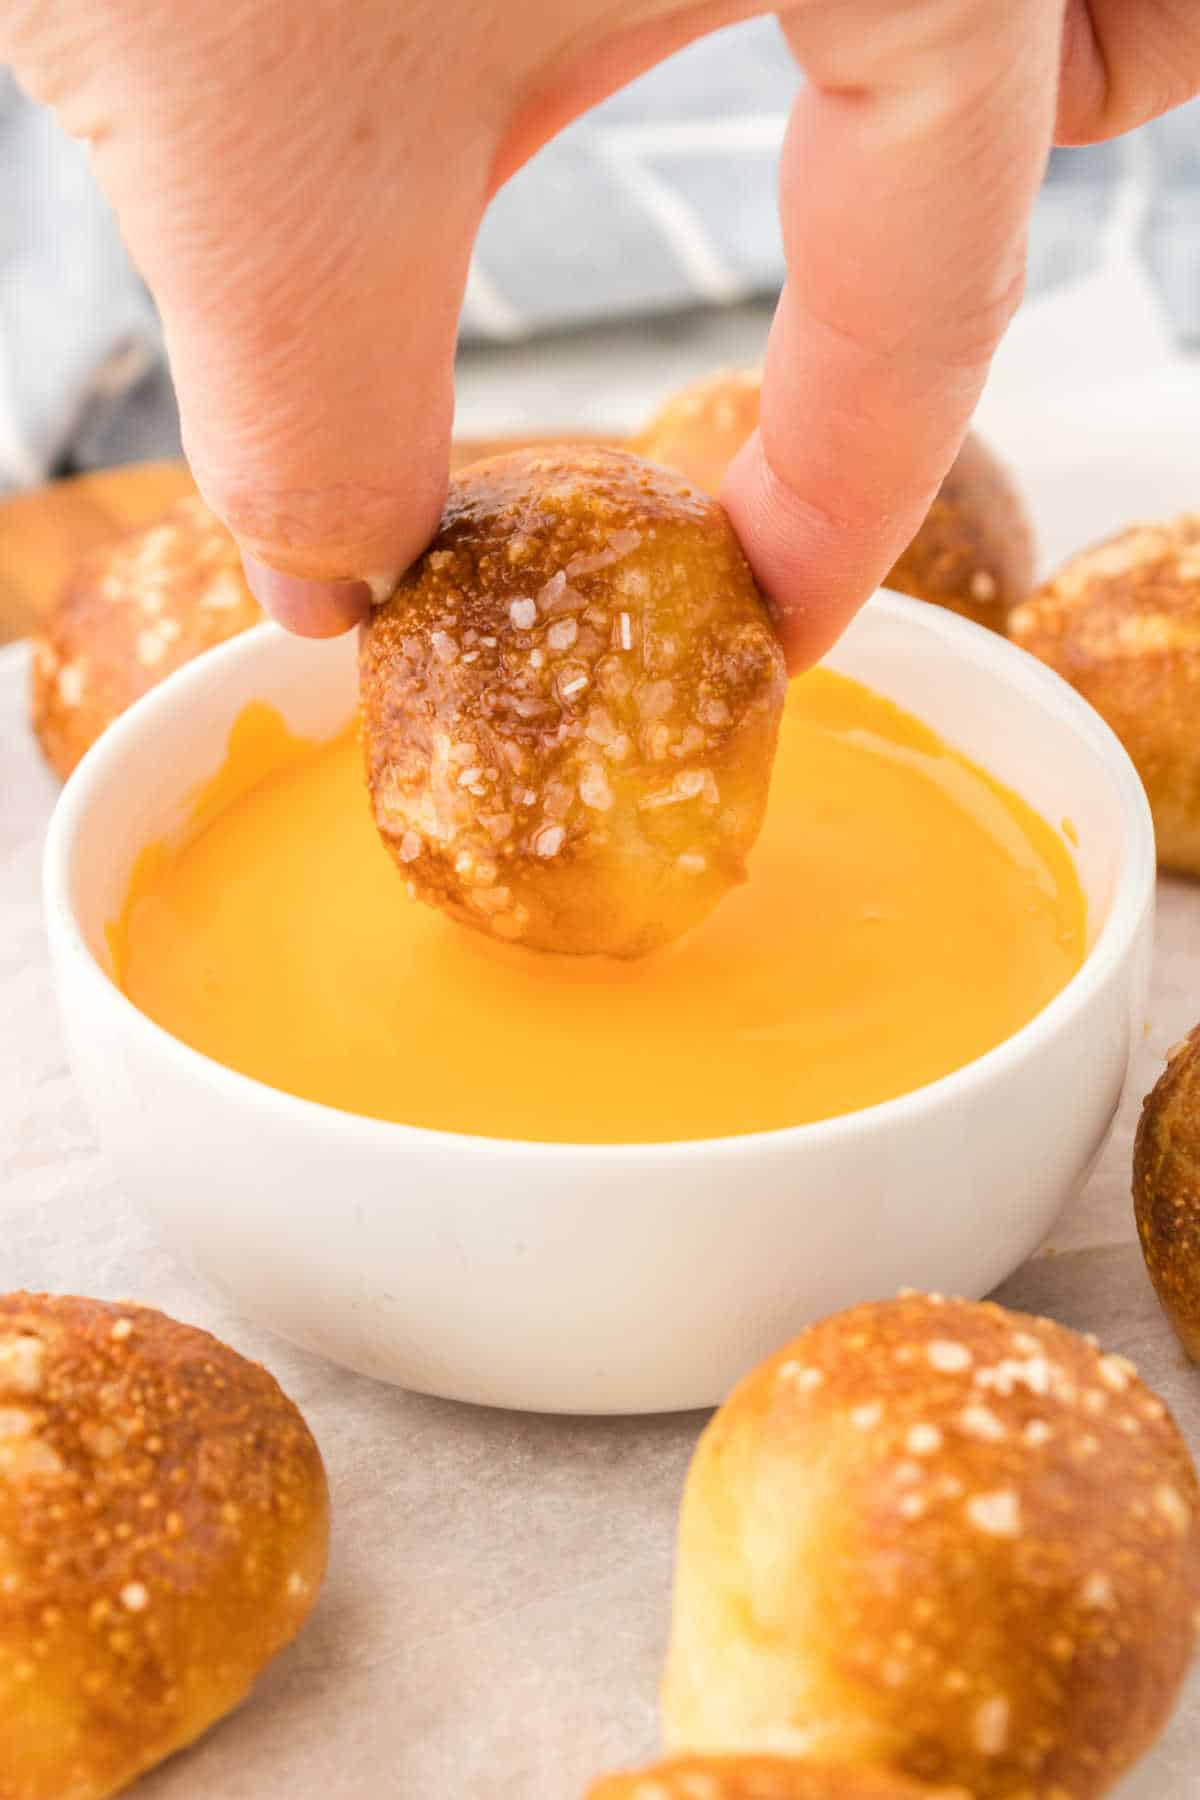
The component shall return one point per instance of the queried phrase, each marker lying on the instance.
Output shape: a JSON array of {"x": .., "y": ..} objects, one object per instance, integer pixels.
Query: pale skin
[{"x": 302, "y": 186}]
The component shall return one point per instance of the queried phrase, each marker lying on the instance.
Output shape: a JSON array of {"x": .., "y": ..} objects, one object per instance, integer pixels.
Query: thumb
[{"x": 307, "y": 241}]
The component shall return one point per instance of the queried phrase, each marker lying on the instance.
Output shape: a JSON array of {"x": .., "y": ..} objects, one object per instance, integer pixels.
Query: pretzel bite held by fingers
[
  {"x": 763, "y": 1778},
  {"x": 974, "y": 551},
  {"x": 942, "y": 1539},
  {"x": 163, "y": 1532},
  {"x": 570, "y": 705}
]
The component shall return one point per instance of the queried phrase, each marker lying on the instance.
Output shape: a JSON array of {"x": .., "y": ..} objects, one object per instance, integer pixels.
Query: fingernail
[{"x": 316, "y": 609}]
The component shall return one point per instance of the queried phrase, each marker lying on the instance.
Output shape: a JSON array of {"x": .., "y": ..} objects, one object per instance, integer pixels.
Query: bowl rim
[{"x": 1039, "y": 685}]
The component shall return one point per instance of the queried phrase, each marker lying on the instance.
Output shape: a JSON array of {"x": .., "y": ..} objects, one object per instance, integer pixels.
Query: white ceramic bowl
[{"x": 628, "y": 1278}]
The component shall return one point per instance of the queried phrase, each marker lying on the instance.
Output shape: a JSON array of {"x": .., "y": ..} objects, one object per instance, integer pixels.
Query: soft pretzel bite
[
  {"x": 164, "y": 1522},
  {"x": 974, "y": 551},
  {"x": 943, "y": 1539},
  {"x": 700, "y": 428},
  {"x": 1166, "y": 1190},
  {"x": 132, "y": 613},
  {"x": 570, "y": 705},
  {"x": 1121, "y": 623}
]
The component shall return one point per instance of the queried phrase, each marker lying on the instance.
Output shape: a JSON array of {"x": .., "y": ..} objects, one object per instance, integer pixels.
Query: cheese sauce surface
[{"x": 905, "y": 913}]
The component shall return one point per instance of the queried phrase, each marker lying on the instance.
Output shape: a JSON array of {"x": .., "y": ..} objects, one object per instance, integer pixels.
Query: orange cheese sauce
[{"x": 905, "y": 913}]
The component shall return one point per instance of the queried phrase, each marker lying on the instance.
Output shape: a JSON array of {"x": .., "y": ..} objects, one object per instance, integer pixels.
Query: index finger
[{"x": 910, "y": 167}]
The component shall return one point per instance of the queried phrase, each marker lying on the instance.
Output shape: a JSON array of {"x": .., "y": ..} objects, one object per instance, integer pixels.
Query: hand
[{"x": 302, "y": 186}]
